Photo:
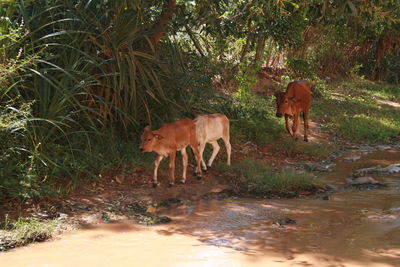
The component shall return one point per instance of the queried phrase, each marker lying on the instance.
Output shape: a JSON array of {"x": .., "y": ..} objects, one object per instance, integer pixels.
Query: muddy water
[{"x": 351, "y": 228}]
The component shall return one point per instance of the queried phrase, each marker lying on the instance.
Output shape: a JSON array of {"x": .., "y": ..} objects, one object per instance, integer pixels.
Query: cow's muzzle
[{"x": 279, "y": 114}]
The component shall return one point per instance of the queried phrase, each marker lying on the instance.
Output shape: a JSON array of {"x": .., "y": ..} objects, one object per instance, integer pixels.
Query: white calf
[{"x": 210, "y": 128}]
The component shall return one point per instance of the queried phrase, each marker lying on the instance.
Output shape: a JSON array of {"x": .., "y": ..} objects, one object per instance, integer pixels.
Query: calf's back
[{"x": 211, "y": 127}]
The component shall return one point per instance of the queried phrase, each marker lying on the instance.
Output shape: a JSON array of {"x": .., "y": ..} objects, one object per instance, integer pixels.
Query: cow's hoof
[
  {"x": 170, "y": 185},
  {"x": 181, "y": 182},
  {"x": 199, "y": 177},
  {"x": 305, "y": 140},
  {"x": 155, "y": 185}
]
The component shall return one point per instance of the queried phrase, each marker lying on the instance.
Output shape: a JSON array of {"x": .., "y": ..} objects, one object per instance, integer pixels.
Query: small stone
[
  {"x": 323, "y": 198},
  {"x": 285, "y": 221},
  {"x": 365, "y": 171},
  {"x": 351, "y": 158},
  {"x": 319, "y": 167},
  {"x": 62, "y": 216},
  {"x": 383, "y": 147},
  {"x": 395, "y": 210},
  {"x": 382, "y": 217}
]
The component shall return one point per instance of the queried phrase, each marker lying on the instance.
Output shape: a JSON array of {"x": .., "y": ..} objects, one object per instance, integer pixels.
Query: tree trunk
[
  {"x": 249, "y": 39},
  {"x": 260, "y": 48},
  {"x": 246, "y": 47},
  {"x": 195, "y": 41},
  {"x": 269, "y": 52},
  {"x": 159, "y": 28},
  {"x": 381, "y": 49}
]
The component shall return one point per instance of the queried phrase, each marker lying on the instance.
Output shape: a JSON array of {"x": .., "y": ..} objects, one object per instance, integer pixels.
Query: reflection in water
[{"x": 352, "y": 228}]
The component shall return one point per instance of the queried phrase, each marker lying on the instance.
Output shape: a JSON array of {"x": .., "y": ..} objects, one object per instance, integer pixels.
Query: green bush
[
  {"x": 300, "y": 68},
  {"x": 81, "y": 106},
  {"x": 391, "y": 68},
  {"x": 252, "y": 119}
]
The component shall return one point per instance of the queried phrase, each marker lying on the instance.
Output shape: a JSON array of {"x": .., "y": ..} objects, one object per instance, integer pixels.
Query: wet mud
[{"x": 347, "y": 226}]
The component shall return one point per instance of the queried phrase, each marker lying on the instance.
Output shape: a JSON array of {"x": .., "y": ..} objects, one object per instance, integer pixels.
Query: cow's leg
[
  {"x": 305, "y": 118},
  {"x": 225, "y": 137},
  {"x": 184, "y": 164},
  {"x": 287, "y": 125},
  {"x": 201, "y": 150},
  {"x": 197, "y": 156},
  {"x": 195, "y": 147},
  {"x": 296, "y": 121},
  {"x": 156, "y": 164},
  {"x": 216, "y": 149},
  {"x": 172, "y": 157},
  {"x": 228, "y": 149}
]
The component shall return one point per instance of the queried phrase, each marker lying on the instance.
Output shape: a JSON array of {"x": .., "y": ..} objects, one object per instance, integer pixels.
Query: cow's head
[
  {"x": 148, "y": 140},
  {"x": 284, "y": 105}
]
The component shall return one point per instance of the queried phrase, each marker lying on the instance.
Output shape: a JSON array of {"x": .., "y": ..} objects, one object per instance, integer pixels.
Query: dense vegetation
[{"x": 80, "y": 79}]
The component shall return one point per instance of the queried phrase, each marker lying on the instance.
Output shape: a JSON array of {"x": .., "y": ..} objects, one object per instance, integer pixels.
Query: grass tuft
[
  {"x": 256, "y": 179},
  {"x": 22, "y": 232}
]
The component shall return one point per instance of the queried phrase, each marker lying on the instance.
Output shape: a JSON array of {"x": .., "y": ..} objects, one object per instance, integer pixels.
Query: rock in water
[
  {"x": 351, "y": 158},
  {"x": 394, "y": 168},
  {"x": 362, "y": 181}
]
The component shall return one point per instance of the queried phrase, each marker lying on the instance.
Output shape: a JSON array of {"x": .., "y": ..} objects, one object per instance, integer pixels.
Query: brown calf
[
  {"x": 296, "y": 100},
  {"x": 210, "y": 128},
  {"x": 166, "y": 141}
]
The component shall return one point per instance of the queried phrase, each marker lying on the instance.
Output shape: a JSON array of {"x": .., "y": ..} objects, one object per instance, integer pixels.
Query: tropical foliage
[{"x": 79, "y": 79}]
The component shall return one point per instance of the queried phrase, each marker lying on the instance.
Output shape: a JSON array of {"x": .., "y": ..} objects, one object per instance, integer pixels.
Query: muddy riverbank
[{"x": 348, "y": 226}]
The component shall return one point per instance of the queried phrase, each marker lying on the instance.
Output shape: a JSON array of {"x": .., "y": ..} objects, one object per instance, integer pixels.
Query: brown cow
[
  {"x": 166, "y": 141},
  {"x": 291, "y": 103},
  {"x": 210, "y": 128}
]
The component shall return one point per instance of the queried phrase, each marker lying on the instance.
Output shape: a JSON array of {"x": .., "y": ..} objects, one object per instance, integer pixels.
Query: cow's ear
[{"x": 159, "y": 137}]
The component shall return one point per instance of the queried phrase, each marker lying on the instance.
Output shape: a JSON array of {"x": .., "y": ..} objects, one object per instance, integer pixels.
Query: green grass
[
  {"x": 256, "y": 179},
  {"x": 292, "y": 148},
  {"x": 355, "y": 110},
  {"x": 22, "y": 232},
  {"x": 360, "y": 111}
]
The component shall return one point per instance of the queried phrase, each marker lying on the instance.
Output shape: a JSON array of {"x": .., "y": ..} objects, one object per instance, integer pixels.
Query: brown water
[{"x": 352, "y": 228}]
